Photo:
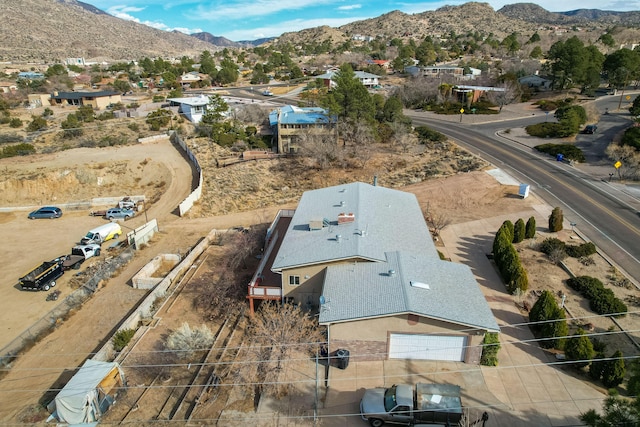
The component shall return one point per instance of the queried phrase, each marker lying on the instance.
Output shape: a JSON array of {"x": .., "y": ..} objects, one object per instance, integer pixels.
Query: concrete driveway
[{"x": 523, "y": 390}]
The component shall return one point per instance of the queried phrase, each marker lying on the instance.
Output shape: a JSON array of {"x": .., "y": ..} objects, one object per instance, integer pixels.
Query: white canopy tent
[{"x": 87, "y": 395}]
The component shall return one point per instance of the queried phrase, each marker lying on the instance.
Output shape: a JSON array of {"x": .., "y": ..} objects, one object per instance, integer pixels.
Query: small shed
[{"x": 89, "y": 393}]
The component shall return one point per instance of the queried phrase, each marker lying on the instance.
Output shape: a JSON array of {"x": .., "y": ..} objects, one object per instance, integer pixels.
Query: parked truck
[
  {"x": 101, "y": 234},
  {"x": 432, "y": 404},
  {"x": 78, "y": 255},
  {"x": 42, "y": 277}
]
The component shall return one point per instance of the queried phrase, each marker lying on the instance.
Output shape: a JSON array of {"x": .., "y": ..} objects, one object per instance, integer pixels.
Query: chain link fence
[{"x": 46, "y": 324}]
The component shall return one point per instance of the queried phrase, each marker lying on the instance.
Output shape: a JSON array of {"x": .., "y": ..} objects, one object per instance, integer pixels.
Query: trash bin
[
  {"x": 559, "y": 157},
  {"x": 342, "y": 357}
]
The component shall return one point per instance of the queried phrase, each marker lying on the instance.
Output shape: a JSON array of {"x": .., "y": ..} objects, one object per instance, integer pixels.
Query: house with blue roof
[
  {"x": 362, "y": 258},
  {"x": 289, "y": 123}
]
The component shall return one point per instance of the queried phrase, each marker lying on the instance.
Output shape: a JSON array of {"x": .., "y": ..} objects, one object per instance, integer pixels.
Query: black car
[
  {"x": 590, "y": 129},
  {"x": 50, "y": 212}
]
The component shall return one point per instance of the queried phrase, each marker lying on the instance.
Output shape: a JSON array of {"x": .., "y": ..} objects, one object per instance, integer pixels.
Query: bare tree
[
  {"x": 277, "y": 333},
  {"x": 252, "y": 113},
  {"x": 403, "y": 135},
  {"x": 629, "y": 159},
  {"x": 510, "y": 93},
  {"x": 320, "y": 146},
  {"x": 436, "y": 221}
]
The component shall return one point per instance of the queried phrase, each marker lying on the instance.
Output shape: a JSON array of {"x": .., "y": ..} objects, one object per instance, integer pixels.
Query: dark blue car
[{"x": 49, "y": 212}]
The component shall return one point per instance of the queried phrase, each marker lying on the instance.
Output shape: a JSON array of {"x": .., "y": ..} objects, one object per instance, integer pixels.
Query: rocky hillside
[
  {"x": 531, "y": 12},
  {"x": 46, "y": 30}
]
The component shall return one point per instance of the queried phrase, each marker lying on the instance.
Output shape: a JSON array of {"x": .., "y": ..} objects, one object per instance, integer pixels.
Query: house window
[{"x": 294, "y": 280}]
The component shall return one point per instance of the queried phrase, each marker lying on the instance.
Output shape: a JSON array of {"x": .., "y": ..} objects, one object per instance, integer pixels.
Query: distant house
[
  {"x": 367, "y": 79},
  {"x": 192, "y": 108},
  {"x": 466, "y": 93},
  {"x": 535, "y": 81},
  {"x": 6, "y": 87},
  {"x": 30, "y": 75},
  {"x": 288, "y": 123},
  {"x": 361, "y": 258},
  {"x": 97, "y": 100},
  {"x": 188, "y": 78},
  {"x": 435, "y": 71}
]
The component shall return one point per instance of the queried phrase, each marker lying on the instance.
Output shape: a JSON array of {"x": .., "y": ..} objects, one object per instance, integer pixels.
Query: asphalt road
[{"x": 597, "y": 208}]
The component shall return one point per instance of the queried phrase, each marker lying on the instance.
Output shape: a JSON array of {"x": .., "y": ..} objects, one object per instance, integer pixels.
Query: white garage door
[{"x": 427, "y": 347}]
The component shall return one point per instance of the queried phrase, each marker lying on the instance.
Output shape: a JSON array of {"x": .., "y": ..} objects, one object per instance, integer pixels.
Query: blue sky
[{"x": 252, "y": 19}]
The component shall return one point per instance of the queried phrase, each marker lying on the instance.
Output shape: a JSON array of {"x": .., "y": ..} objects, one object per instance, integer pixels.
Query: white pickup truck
[{"x": 78, "y": 255}]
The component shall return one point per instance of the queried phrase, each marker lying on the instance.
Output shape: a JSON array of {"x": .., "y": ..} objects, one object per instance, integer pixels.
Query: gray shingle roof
[
  {"x": 368, "y": 289},
  {"x": 386, "y": 220}
]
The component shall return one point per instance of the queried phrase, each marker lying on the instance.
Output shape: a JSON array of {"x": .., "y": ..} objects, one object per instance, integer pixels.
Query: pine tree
[
  {"x": 552, "y": 318},
  {"x": 613, "y": 370},
  {"x": 530, "y": 229}
]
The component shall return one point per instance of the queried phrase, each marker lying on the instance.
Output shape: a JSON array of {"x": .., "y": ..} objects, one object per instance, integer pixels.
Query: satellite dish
[{"x": 322, "y": 300}]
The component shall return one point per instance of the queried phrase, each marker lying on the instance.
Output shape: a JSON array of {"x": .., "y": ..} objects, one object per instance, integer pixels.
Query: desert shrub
[
  {"x": 542, "y": 130},
  {"x": 106, "y": 115},
  {"x": 555, "y": 220},
  {"x": 579, "y": 349},
  {"x": 17, "y": 150},
  {"x": 186, "y": 341},
  {"x": 518, "y": 231},
  {"x": 490, "y": 348},
  {"x": 15, "y": 123},
  {"x": 425, "y": 133},
  {"x": 569, "y": 151},
  {"x": 550, "y": 245},
  {"x": 134, "y": 127},
  {"x": 549, "y": 321},
  {"x": 583, "y": 250},
  {"x": 122, "y": 338},
  {"x": 36, "y": 124},
  {"x": 613, "y": 370}
]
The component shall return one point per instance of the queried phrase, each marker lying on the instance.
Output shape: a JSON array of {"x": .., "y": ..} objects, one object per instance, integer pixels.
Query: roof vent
[
  {"x": 391, "y": 273},
  {"x": 338, "y": 238},
  {"x": 419, "y": 285},
  {"x": 341, "y": 202}
]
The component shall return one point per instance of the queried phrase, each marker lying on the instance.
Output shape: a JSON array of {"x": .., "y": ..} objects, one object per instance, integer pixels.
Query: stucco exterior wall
[{"x": 368, "y": 339}]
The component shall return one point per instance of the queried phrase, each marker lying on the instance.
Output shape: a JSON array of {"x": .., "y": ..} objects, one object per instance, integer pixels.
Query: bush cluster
[
  {"x": 507, "y": 259},
  {"x": 569, "y": 151},
  {"x": 490, "y": 348},
  {"x": 17, "y": 150},
  {"x": 601, "y": 299},
  {"x": 552, "y": 246}
]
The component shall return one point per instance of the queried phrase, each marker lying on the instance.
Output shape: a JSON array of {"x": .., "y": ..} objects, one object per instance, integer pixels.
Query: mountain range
[{"x": 76, "y": 29}]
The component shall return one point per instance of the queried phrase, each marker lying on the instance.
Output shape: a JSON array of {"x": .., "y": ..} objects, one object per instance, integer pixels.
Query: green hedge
[
  {"x": 550, "y": 245},
  {"x": 490, "y": 348},
  {"x": 569, "y": 151},
  {"x": 601, "y": 299}
]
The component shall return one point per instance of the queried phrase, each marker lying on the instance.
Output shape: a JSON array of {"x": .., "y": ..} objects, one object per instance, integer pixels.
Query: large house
[
  {"x": 289, "y": 122},
  {"x": 361, "y": 257},
  {"x": 367, "y": 79},
  {"x": 97, "y": 100}
]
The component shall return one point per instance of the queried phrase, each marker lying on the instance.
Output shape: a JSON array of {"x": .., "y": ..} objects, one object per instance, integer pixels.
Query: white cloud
[
  {"x": 350, "y": 7},
  {"x": 247, "y": 9}
]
